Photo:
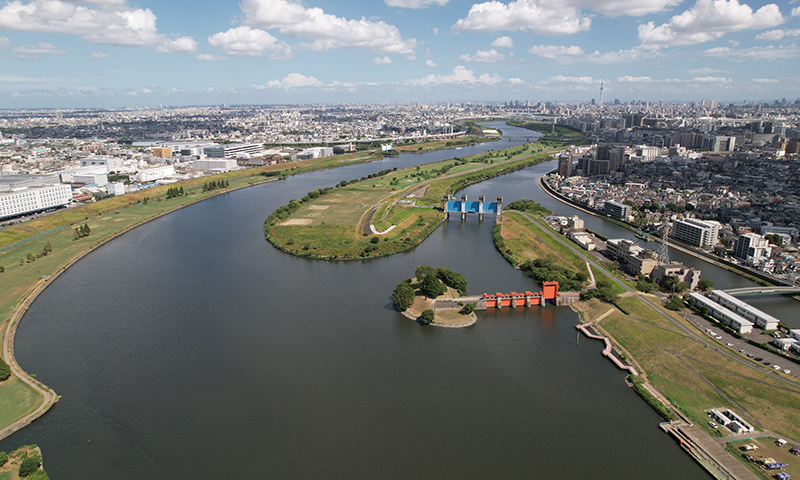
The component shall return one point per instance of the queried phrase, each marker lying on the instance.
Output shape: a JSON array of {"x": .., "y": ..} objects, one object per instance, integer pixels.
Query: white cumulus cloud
[
  {"x": 503, "y": 42},
  {"x": 250, "y": 42},
  {"x": 113, "y": 24},
  {"x": 460, "y": 75},
  {"x": 327, "y": 31},
  {"x": 430, "y": 63},
  {"x": 382, "y": 61},
  {"x": 629, "y": 79},
  {"x": 294, "y": 80},
  {"x": 537, "y": 16},
  {"x": 483, "y": 56},
  {"x": 796, "y": 12},
  {"x": 708, "y": 20},
  {"x": 765, "y": 80},
  {"x": 178, "y": 45},
  {"x": 769, "y": 53},
  {"x": 99, "y": 55},
  {"x": 777, "y": 34},
  {"x": 553, "y": 51}
]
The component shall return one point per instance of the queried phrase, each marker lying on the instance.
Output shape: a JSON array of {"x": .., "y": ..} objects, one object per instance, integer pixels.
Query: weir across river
[{"x": 481, "y": 207}]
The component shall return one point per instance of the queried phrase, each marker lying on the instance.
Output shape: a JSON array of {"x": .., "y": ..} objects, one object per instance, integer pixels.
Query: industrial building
[
  {"x": 761, "y": 319},
  {"x": 155, "y": 173},
  {"x": 215, "y": 164},
  {"x": 24, "y": 200},
  {"x": 698, "y": 233},
  {"x": 721, "y": 313}
]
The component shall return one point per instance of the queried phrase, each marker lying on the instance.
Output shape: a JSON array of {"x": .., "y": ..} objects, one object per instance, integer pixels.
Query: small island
[{"x": 435, "y": 297}]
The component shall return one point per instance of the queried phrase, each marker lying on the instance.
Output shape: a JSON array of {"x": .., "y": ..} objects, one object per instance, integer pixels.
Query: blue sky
[{"x": 94, "y": 53}]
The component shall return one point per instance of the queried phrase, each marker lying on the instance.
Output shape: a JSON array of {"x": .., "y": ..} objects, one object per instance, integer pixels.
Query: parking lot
[{"x": 741, "y": 347}]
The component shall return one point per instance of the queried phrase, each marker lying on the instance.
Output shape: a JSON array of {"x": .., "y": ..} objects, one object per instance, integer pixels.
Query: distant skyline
[{"x": 110, "y": 53}]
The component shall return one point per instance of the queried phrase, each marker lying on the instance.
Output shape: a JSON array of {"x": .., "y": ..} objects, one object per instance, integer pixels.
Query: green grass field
[
  {"x": 16, "y": 400},
  {"x": 528, "y": 241},
  {"x": 655, "y": 348},
  {"x": 331, "y": 226}
]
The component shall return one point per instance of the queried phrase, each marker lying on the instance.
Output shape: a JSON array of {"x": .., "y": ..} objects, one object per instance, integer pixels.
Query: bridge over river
[{"x": 763, "y": 291}]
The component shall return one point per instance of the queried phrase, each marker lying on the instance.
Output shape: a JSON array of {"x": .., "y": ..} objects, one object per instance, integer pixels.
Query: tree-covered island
[{"x": 431, "y": 298}]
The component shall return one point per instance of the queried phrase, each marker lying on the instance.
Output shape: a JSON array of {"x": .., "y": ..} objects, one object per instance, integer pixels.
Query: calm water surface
[{"x": 190, "y": 348}]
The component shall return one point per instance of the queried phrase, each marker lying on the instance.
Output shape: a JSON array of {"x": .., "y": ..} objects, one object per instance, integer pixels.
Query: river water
[{"x": 191, "y": 348}]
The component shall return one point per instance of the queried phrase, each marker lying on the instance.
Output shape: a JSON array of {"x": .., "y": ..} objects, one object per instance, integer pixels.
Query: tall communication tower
[
  {"x": 601, "y": 93},
  {"x": 663, "y": 252}
]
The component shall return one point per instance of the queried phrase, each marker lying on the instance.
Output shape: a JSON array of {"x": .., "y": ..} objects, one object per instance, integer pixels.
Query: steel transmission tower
[{"x": 663, "y": 252}]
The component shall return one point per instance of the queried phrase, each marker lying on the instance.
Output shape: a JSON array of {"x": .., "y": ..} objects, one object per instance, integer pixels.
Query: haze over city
[{"x": 109, "y": 53}]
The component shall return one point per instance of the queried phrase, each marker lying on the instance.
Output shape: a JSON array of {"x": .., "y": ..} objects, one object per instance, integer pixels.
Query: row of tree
[
  {"x": 82, "y": 231},
  {"x": 544, "y": 270},
  {"x": 174, "y": 192},
  {"x": 214, "y": 185}
]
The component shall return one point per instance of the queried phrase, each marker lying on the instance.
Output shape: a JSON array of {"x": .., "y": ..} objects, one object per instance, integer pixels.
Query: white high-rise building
[
  {"x": 698, "y": 233},
  {"x": 751, "y": 245}
]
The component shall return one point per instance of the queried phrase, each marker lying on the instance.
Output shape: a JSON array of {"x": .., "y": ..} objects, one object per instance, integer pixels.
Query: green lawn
[{"x": 16, "y": 400}]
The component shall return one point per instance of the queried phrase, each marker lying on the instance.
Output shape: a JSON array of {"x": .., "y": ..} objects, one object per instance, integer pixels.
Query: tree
[
  {"x": 705, "y": 285},
  {"x": 423, "y": 271},
  {"x": 403, "y": 296},
  {"x": 48, "y": 248},
  {"x": 673, "y": 285},
  {"x": 374, "y": 240},
  {"x": 5, "y": 372},
  {"x": 674, "y": 302},
  {"x": 2, "y": 269},
  {"x": 468, "y": 309},
  {"x": 432, "y": 287},
  {"x": 453, "y": 280},
  {"x": 3, "y": 458},
  {"x": 774, "y": 239},
  {"x": 646, "y": 286},
  {"x": 427, "y": 317},
  {"x": 29, "y": 465}
]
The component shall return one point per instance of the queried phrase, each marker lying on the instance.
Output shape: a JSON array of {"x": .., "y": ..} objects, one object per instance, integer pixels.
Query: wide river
[{"x": 191, "y": 348}]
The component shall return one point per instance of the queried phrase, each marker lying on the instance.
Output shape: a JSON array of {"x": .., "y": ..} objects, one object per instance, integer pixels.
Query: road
[{"x": 49, "y": 397}]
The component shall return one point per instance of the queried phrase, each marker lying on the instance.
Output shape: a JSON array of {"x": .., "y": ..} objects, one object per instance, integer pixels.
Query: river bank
[{"x": 109, "y": 219}]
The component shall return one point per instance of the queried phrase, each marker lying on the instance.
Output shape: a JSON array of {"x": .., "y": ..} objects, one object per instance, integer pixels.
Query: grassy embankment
[
  {"x": 547, "y": 129},
  {"x": 331, "y": 225},
  {"x": 443, "y": 144},
  {"x": 691, "y": 375},
  {"x": 106, "y": 218}
]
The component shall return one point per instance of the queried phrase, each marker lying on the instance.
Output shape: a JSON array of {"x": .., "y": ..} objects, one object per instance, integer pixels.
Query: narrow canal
[{"x": 190, "y": 348}]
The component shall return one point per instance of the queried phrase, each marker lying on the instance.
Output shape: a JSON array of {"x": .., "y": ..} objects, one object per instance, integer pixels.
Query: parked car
[
  {"x": 712, "y": 424},
  {"x": 729, "y": 344},
  {"x": 776, "y": 367},
  {"x": 758, "y": 359},
  {"x": 787, "y": 371}
]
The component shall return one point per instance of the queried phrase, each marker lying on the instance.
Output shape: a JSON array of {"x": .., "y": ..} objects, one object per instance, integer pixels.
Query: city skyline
[{"x": 113, "y": 53}]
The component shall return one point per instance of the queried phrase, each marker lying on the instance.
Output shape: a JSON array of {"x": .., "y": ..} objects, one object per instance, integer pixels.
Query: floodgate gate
[{"x": 481, "y": 207}]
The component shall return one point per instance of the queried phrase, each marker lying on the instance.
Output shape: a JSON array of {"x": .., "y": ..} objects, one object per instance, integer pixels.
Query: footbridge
[
  {"x": 763, "y": 291},
  {"x": 481, "y": 207}
]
